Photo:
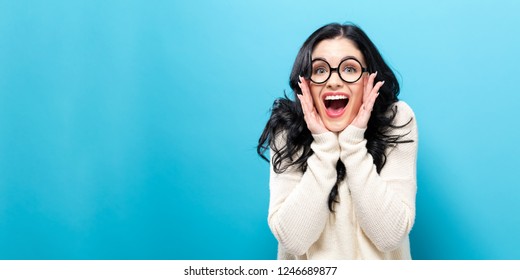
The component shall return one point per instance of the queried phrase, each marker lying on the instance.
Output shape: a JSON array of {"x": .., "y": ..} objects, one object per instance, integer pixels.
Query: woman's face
[{"x": 337, "y": 101}]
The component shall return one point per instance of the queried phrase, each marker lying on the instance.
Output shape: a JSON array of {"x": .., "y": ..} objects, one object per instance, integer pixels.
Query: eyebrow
[{"x": 346, "y": 57}]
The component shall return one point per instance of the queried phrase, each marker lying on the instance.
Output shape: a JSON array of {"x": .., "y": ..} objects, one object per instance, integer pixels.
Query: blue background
[{"x": 128, "y": 128}]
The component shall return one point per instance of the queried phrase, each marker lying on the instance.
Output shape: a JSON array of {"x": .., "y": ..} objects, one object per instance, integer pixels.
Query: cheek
[
  {"x": 315, "y": 93},
  {"x": 357, "y": 94}
]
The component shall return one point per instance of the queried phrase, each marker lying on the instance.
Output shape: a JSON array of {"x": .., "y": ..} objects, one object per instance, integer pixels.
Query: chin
[{"x": 337, "y": 126}]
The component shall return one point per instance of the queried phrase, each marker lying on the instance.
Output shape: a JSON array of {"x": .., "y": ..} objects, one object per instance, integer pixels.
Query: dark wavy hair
[{"x": 287, "y": 115}]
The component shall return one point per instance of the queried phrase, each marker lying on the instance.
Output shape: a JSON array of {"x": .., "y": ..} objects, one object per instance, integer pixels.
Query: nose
[{"x": 334, "y": 81}]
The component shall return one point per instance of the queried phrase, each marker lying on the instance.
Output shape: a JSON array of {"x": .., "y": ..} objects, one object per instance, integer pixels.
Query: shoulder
[
  {"x": 403, "y": 114},
  {"x": 403, "y": 110},
  {"x": 284, "y": 107},
  {"x": 404, "y": 122},
  {"x": 280, "y": 138}
]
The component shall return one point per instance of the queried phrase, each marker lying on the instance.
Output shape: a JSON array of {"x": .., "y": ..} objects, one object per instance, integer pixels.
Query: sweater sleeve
[
  {"x": 298, "y": 202},
  {"x": 383, "y": 203}
]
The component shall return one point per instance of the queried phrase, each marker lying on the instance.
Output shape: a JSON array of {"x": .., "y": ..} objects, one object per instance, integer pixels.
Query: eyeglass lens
[{"x": 350, "y": 70}]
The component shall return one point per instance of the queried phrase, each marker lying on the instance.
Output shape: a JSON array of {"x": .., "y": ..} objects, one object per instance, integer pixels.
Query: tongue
[{"x": 336, "y": 105}]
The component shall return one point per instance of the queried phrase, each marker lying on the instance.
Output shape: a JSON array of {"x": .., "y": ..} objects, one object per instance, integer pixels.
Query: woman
[{"x": 343, "y": 154}]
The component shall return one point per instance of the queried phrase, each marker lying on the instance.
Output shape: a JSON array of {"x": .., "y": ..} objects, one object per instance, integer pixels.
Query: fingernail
[{"x": 383, "y": 83}]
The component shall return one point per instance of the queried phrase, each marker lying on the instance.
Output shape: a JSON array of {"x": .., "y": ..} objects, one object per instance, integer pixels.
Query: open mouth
[{"x": 335, "y": 104}]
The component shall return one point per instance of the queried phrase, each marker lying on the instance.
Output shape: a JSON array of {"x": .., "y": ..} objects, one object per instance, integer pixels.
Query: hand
[
  {"x": 370, "y": 93},
  {"x": 311, "y": 116}
]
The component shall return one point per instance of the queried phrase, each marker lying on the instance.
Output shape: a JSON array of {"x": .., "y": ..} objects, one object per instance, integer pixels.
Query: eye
[
  {"x": 350, "y": 69},
  {"x": 320, "y": 70}
]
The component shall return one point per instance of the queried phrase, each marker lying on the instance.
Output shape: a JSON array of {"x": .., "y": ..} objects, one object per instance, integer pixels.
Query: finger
[
  {"x": 378, "y": 86},
  {"x": 370, "y": 84},
  {"x": 304, "y": 85},
  {"x": 302, "y": 103},
  {"x": 302, "y": 98},
  {"x": 372, "y": 78},
  {"x": 369, "y": 104},
  {"x": 308, "y": 116},
  {"x": 376, "y": 89},
  {"x": 306, "y": 101}
]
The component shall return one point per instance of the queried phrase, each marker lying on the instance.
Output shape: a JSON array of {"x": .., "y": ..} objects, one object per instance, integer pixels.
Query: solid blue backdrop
[{"x": 128, "y": 128}]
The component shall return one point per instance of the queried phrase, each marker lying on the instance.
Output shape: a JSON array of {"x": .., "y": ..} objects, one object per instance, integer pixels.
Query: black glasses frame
[{"x": 363, "y": 70}]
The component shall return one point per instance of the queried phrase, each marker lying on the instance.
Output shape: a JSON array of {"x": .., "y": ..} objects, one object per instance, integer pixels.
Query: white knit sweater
[{"x": 375, "y": 212}]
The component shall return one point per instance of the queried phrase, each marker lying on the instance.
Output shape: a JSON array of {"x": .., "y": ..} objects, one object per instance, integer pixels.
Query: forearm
[
  {"x": 384, "y": 204},
  {"x": 298, "y": 208}
]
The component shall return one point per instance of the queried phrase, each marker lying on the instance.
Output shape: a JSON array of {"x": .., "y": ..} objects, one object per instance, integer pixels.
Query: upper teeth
[{"x": 336, "y": 97}]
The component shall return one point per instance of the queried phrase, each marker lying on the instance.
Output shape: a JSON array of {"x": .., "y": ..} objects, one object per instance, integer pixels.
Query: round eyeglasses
[{"x": 349, "y": 70}]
